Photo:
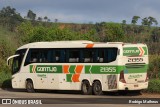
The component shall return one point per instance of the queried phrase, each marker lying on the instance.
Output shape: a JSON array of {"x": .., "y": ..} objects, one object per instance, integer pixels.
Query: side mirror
[{"x": 8, "y": 59}]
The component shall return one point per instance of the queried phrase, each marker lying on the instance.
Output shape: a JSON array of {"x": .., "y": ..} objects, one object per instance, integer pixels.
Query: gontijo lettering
[
  {"x": 45, "y": 69},
  {"x": 51, "y": 69},
  {"x": 130, "y": 51}
]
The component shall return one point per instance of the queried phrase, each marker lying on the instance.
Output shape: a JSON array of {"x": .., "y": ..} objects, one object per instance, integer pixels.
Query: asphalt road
[{"x": 74, "y": 98}]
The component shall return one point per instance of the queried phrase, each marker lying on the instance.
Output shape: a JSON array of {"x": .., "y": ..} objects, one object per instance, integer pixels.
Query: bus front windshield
[{"x": 17, "y": 61}]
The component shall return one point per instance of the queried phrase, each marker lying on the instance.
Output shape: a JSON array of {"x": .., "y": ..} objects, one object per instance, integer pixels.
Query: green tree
[
  {"x": 10, "y": 18},
  {"x": 31, "y": 15},
  {"x": 123, "y": 22},
  {"x": 135, "y": 19},
  {"x": 148, "y": 21},
  {"x": 25, "y": 31},
  {"x": 145, "y": 21},
  {"x": 152, "y": 20},
  {"x": 113, "y": 32},
  {"x": 39, "y": 19},
  {"x": 46, "y": 18}
]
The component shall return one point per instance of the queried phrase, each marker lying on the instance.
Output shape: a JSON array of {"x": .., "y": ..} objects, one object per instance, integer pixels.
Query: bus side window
[
  {"x": 34, "y": 56},
  {"x": 57, "y": 55},
  {"x": 100, "y": 55},
  {"x": 88, "y": 55},
  {"x": 74, "y": 56},
  {"x": 43, "y": 55},
  {"x": 38, "y": 56},
  {"x": 110, "y": 54}
]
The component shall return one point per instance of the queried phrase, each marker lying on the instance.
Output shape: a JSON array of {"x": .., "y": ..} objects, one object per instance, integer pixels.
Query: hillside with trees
[{"x": 16, "y": 30}]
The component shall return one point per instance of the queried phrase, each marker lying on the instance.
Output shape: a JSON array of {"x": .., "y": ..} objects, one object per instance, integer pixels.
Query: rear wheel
[
  {"x": 97, "y": 88},
  {"x": 86, "y": 88},
  {"x": 29, "y": 86}
]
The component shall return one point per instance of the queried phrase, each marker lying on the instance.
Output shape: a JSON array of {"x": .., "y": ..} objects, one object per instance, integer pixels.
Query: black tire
[
  {"x": 86, "y": 88},
  {"x": 29, "y": 86},
  {"x": 97, "y": 88}
]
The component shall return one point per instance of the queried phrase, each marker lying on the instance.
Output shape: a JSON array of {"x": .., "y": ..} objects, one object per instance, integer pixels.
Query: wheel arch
[
  {"x": 86, "y": 80},
  {"x": 98, "y": 81},
  {"x": 29, "y": 79}
]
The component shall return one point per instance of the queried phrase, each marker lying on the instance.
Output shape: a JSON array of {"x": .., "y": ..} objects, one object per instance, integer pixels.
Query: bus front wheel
[
  {"x": 86, "y": 88},
  {"x": 29, "y": 86},
  {"x": 97, "y": 88}
]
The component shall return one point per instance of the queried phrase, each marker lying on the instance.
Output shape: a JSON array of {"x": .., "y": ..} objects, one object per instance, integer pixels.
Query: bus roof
[{"x": 74, "y": 44}]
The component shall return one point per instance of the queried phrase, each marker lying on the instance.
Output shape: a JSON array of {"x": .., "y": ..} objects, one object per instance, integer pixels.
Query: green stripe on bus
[
  {"x": 69, "y": 77},
  {"x": 71, "y": 69},
  {"x": 93, "y": 69},
  {"x": 96, "y": 69},
  {"x": 87, "y": 67},
  {"x": 114, "y": 69},
  {"x": 30, "y": 68}
]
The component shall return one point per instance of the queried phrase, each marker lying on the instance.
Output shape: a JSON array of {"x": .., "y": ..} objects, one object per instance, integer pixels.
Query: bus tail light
[
  {"x": 121, "y": 78},
  {"x": 147, "y": 78}
]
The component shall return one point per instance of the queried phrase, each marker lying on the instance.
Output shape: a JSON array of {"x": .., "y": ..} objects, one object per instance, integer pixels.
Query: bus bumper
[{"x": 133, "y": 86}]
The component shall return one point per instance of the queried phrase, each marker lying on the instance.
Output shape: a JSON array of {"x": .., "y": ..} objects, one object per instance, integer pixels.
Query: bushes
[
  {"x": 154, "y": 74},
  {"x": 114, "y": 32},
  {"x": 8, "y": 44},
  {"x": 30, "y": 33},
  {"x": 154, "y": 86},
  {"x": 154, "y": 66},
  {"x": 5, "y": 77}
]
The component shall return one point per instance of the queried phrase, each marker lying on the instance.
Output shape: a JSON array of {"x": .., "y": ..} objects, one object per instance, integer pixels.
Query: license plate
[{"x": 135, "y": 85}]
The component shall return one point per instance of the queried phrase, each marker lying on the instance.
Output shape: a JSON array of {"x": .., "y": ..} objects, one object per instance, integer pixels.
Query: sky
[{"x": 87, "y": 11}]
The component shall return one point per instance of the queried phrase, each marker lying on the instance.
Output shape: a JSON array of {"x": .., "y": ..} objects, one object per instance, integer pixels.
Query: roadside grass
[
  {"x": 153, "y": 86},
  {"x": 5, "y": 79},
  {"x": 154, "y": 66},
  {"x": 8, "y": 44}
]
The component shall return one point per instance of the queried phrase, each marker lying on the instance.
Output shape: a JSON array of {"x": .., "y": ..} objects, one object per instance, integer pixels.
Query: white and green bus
[{"x": 91, "y": 67}]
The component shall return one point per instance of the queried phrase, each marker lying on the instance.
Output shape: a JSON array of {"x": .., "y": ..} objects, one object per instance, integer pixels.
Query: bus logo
[
  {"x": 134, "y": 51},
  {"x": 43, "y": 69}
]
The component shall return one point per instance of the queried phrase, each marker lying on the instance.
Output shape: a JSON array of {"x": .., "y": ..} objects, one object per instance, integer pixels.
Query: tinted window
[
  {"x": 72, "y": 55},
  {"x": 17, "y": 61},
  {"x": 88, "y": 55},
  {"x": 101, "y": 55},
  {"x": 111, "y": 54},
  {"x": 38, "y": 56}
]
